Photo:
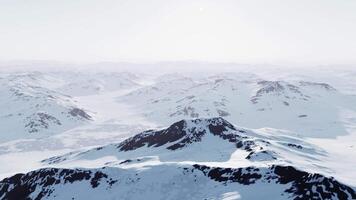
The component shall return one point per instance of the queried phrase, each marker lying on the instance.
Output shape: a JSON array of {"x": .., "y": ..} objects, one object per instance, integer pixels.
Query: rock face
[
  {"x": 185, "y": 132},
  {"x": 41, "y": 183},
  {"x": 160, "y": 164},
  {"x": 76, "y": 112},
  {"x": 194, "y": 139},
  {"x": 279, "y": 88},
  {"x": 156, "y": 139},
  {"x": 39, "y": 121},
  {"x": 203, "y": 156},
  {"x": 311, "y": 186},
  {"x": 301, "y": 185},
  {"x": 50, "y": 183}
]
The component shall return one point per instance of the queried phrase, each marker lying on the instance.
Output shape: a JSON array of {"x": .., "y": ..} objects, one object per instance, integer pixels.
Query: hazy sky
[{"x": 311, "y": 31}]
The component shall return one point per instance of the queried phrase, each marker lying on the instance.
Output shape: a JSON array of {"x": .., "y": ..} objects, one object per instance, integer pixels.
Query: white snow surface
[{"x": 314, "y": 110}]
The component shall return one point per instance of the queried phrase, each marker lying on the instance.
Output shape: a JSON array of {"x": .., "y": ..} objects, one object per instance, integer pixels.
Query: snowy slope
[
  {"x": 247, "y": 100},
  {"x": 212, "y": 140},
  {"x": 174, "y": 182},
  {"x": 30, "y": 110},
  {"x": 90, "y": 83},
  {"x": 302, "y": 126},
  {"x": 37, "y": 104},
  {"x": 190, "y": 159}
]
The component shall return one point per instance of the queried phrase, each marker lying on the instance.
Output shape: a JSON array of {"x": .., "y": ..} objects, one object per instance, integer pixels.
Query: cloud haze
[{"x": 319, "y": 31}]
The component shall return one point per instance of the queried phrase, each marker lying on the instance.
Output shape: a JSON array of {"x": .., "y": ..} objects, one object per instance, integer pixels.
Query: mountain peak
[{"x": 183, "y": 133}]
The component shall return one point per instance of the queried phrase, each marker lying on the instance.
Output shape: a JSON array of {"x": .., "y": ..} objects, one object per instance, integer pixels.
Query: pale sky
[{"x": 306, "y": 31}]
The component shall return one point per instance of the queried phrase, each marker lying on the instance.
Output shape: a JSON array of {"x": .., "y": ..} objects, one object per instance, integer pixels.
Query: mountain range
[{"x": 125, "y": 135}]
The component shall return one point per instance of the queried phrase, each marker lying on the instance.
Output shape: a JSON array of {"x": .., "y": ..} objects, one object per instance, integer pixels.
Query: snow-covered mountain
[
  {"x": 30, "y": 110},
  {"x": 37, "y": 104},
  {"x": 201, "y": 140},
  {"x": 73, "y": 134},
  {"x": 174, "y": 182},
  {"x": 247, "y": 100},
  {"x": 81, "y": 84},
  {"x": 194, "y": 159}
]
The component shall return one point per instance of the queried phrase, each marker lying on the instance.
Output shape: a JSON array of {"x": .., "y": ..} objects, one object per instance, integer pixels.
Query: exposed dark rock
[
  {"x": 95, "y": 181},
  {"x": 125, "y": 161},
  {"x": 76, "y": 112},
  {"x": 265, "y": 155},
  {"x": 305, "y": 185},
  {"x": 222, "y": 113},
  {"x": 156, "y": 139},
  {"x": 295, "y": 145},
  {"x": 21, "y": 186},
  {"x": 40, "y": 121},
  {"x": 300, "y": 184},
  {"x": 245, "y": 176},
  {"x": 179, "y": 135},
  {"x": 269, "y": 87},
  {"x": 185, "y": 111},
  {"x": 218, "y": 125},
  {"x": 277, "y": 88}
]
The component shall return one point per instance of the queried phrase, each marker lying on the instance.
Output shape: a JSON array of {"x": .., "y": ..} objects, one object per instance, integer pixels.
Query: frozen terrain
[{"x": 211, "y": 135}]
